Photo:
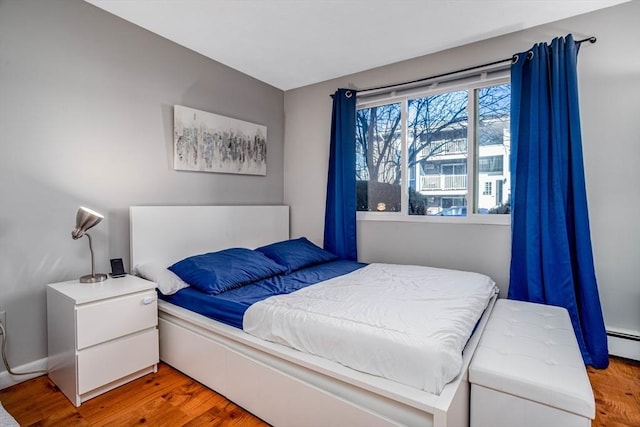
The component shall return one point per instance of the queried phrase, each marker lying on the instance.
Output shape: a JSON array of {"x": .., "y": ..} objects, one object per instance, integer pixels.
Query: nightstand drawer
[
  {"x": 115, "y": 317},
  {"x": 102, "y": 364}
]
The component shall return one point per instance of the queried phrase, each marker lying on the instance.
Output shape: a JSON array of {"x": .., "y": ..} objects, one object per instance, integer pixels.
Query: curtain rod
[{"x": 500, "y": 61}]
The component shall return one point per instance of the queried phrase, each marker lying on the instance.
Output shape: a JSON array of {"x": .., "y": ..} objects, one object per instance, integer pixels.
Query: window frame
[{"x": 471, "y": 87}]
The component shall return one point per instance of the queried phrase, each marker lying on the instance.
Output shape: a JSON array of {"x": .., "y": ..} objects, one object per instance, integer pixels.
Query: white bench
[{"x": 528, "y": 371}]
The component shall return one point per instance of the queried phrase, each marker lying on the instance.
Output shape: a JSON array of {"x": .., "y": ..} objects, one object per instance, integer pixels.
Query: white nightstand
[{"x": 101, "y": 335}]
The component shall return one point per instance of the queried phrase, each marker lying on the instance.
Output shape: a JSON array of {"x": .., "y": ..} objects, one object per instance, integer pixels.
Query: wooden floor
[
  {"x": 169, "y": 398},
  {"x": 617, "y": 393}
]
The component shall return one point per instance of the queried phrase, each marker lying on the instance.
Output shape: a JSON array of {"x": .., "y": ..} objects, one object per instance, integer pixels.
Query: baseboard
[
  {"x": 624, "y": 343},
  {"x": 7, "y": 380}
]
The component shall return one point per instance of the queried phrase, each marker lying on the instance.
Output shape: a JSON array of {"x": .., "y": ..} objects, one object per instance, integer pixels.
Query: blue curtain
[
  {"x": 551, "y": 256},
  {"x": 340, "y": 213}
]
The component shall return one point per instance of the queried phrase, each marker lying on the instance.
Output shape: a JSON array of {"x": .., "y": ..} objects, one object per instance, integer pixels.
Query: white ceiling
[{"x": 293, "y": 43}]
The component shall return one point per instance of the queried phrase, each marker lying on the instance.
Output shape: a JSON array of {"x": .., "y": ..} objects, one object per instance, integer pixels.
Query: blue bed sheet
[{"x": 229, "y": 307}]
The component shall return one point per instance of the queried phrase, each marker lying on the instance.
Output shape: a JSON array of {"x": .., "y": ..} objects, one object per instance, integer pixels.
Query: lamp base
[{"x": 93, "y": 279}]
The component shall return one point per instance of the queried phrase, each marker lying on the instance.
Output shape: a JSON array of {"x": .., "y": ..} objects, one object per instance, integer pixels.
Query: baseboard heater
[
  {"x": 624, "y": 335},
  {"x": 624, "y": 343}
]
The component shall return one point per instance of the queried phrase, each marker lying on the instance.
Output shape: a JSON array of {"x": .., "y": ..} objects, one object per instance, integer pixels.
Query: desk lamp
[{"x": 85, "y": 219}]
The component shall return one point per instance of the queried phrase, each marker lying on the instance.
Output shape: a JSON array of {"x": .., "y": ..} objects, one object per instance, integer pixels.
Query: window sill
[{"x": 480, "y": 219}]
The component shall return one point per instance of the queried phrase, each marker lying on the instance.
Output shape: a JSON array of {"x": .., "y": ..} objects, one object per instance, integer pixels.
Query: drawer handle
[{"x": 148, "y": 300}]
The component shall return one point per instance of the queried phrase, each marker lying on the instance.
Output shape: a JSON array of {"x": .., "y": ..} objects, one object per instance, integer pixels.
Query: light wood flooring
[
  {"x": 617, "y": 393},
  {"x": 166, "y": 398},
  {"x": 169, "y": 398}
]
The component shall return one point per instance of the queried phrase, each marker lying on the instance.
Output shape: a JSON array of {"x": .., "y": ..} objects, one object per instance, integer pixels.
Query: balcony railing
[
  {"x": 443, "y": 182},
  {"x": 456, "y": 146}
]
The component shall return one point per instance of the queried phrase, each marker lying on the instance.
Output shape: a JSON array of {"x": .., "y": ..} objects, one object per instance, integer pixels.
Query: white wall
[
  {"x": 86, "y": 118},
  {"x": 609, "y": 73}
]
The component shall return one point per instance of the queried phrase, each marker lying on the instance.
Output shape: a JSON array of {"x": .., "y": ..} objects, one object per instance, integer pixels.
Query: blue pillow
[
  {"x": 216, "y": 272},
  {"x": 296, "y": 254}
]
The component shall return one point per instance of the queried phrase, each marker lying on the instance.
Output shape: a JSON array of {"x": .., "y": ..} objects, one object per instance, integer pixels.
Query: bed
[{"x": 281, "y": 385}]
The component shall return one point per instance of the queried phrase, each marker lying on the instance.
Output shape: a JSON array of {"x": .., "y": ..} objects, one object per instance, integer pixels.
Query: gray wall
[
  {"x": 609, "y": 73},
  {"x": 86, "y": 119}
]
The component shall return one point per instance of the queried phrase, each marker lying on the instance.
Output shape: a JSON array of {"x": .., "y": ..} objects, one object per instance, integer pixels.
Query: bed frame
[{"x": 282, "y": 386}]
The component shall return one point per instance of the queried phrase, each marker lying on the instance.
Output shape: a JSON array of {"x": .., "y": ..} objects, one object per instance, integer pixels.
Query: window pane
[
  {"x": 378, "y": 158},
  {"x": 493, "y": 149},
  {"x": 437, "y": 158}
]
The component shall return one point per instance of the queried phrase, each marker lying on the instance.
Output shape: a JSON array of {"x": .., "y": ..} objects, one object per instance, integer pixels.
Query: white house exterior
[{"x": 443, "y": 176}]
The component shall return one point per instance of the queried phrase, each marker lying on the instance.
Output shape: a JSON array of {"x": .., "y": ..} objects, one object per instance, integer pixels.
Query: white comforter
[{"x": 405, "y": 323}]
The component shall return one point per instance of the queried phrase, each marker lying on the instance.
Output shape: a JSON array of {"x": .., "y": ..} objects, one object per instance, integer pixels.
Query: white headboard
[{"x": 167, "y": 234}]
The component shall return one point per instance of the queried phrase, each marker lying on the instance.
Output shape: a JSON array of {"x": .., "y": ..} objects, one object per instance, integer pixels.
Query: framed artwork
[{"x": 208, "y": 142}]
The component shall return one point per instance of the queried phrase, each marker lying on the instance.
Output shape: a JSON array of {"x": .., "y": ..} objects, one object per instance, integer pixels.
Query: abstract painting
[{"x": 209, "y": 142}]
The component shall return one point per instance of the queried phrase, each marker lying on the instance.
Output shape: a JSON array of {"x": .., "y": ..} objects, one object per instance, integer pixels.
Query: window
[
  {"x": 378, "y": 156},
  {"x": 490, "y": 164},
  {"x": 487, "y": 189},
  {"x": 493, "y": 143},
  {"x": 413, "y": 156}
]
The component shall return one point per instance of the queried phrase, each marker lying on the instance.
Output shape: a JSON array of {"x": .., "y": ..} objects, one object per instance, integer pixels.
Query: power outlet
[{"x": 3, "y": 319}]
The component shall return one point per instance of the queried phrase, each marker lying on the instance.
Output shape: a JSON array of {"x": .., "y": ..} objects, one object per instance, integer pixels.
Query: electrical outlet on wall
[{"x": 3, "y": 319}]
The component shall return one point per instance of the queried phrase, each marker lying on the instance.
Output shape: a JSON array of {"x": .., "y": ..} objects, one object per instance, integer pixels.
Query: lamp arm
[{"x": 93, "y": 271}]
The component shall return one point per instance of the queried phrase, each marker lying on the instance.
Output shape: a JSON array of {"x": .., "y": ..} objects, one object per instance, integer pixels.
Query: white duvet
[{"x": 405, "y": 323}]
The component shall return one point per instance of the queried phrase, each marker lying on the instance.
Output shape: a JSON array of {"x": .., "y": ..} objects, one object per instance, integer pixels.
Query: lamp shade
[{"x": 85, "y": 219}]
